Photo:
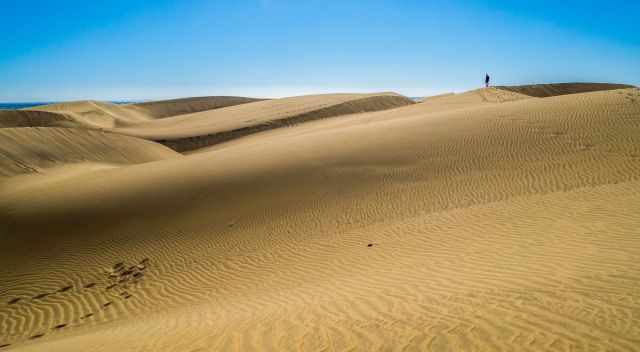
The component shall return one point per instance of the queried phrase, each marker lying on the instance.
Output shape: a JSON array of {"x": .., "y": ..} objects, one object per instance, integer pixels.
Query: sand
[{"x": 499, "y": 224}]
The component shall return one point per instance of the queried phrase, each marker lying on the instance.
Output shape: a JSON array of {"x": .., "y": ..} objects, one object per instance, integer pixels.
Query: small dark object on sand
[
  {"x": 370, "y": 245},
  {"x": 90, "y": 285},
  {"x": 40, "y": 296},
  {"x": 60, "y": 326},
  {"x": 14, "y": 301},
  {"x": 65, "y": 289},
  {"x": 36, "y": 336},
  {"x": 5, "y": 345}
]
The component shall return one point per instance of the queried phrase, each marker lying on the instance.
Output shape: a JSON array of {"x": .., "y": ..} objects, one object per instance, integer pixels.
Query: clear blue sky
[{"x": 128, "y": 49}]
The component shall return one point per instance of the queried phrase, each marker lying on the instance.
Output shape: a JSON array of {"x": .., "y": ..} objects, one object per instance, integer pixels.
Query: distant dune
[{"x": 491, "y": 220}]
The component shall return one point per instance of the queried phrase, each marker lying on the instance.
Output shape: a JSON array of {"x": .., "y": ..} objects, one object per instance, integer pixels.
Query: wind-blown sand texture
[{"x": 502, "y": 225}]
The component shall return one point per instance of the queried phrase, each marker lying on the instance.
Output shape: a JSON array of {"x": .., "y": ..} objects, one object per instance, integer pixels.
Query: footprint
[
  {"x": 105, "y": 305},
  {"x": 59, "y": 326},
  {"x": 65, "y": 289},
  {"x": 36, "y": 336},
  {"x": 15, "y": 300},
  {"x": 90, "y": 285},
  {"x": 88, "y": 315},
  {"x": 40, "y": 296}
]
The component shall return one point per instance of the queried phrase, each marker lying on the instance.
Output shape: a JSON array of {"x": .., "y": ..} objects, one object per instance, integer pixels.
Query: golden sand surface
[{"x": 483, "y": 221}]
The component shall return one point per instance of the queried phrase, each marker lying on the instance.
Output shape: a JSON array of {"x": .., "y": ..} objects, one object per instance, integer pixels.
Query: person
[{"x": 486, "y": 80}]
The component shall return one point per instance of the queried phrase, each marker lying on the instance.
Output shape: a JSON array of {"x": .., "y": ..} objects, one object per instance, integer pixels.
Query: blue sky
[{"x": 151, "y": 49}]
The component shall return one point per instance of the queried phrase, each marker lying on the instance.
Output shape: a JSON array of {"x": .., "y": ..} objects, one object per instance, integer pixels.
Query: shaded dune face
[{"x": 493, "y": 227}]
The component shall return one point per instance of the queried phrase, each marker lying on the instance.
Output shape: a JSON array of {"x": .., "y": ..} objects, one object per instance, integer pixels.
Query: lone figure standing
[{"x": 486, "y": 80}]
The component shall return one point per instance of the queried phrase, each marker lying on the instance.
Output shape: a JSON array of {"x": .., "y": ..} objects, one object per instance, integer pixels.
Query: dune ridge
[{"x": 506, "y": 225}]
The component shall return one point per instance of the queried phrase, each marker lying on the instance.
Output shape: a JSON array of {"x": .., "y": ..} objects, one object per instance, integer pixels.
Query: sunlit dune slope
[
  {"x": 555, "y": 89},
  {"x": 505, "y": 227},
  {"x": 31, "y": 150},
  {"x": 192, "y": 131}
]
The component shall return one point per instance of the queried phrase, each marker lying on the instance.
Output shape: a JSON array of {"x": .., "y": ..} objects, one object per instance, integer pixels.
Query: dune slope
[
  {"x": 503, "y": 227},
  {"x": 32, "y": 150}
]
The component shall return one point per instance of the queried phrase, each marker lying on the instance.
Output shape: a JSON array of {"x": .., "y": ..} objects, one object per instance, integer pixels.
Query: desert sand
[{"x": 501, "y": 219}]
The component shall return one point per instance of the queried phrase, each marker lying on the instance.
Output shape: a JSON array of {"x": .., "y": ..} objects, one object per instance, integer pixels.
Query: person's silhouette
[{"x": 486, "y": 80}]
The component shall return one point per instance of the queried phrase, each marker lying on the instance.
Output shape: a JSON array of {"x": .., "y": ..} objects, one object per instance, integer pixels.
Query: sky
[{"x": 155, "y": 49}]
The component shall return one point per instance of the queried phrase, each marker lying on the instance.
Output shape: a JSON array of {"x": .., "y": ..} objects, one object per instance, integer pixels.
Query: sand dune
[
  {"x": 100, "y": 115},
  {"x": 32, "y": 150},
  {"x": 555, "y": 89},
  {"x": 173, "y": 107},
  {"x": 198, "y": 130},
  {"x": 25, "y": 118},
  {"x": 498, "y": 226},
  {"x": 94, "y": 114}
]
